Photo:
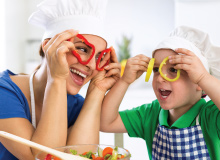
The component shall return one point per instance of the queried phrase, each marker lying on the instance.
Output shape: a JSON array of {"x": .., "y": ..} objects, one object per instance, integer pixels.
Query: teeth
[
  {"x": 164, "y": 96},
  {"x": 77, "y": 72},
  {"x": 162, "y": 90}
]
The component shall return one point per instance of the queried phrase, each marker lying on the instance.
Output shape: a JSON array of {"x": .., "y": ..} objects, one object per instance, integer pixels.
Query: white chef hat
[
  {"x": 55, "y": 16},
  {"x": 196, "y": 41}
]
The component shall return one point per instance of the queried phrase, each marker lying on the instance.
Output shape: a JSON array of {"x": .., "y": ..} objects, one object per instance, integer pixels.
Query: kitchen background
[{"x": 143, "y": 22}]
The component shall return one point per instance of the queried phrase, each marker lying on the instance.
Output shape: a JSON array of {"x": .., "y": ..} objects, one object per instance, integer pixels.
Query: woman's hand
[
  {"x": 105, "y": 79},
  {"x": 55, "y": 50},
  {"x": 190, "y": 63},
  {"x": 135, "y": 67}
]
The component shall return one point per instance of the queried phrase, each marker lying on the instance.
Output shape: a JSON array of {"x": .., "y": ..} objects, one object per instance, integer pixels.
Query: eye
[
  {"x": 173, "y": 70},
  {"x": 98, "y": 55},
  {"x": 155, "y": 69},
  {"x": 82, "y": 49}
]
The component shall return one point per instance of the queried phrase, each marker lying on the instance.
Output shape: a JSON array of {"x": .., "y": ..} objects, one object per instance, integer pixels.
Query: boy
[{"x": 179, "y": 124}]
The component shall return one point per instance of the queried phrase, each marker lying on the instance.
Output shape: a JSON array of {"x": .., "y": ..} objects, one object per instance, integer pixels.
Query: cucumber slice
[
  {"x": 100, "y": 150},
  {"x": 115, "y": 154}
]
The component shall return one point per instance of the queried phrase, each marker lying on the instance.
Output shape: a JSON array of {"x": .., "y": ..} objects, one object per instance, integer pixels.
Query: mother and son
[{"x": 45, "y": 106}]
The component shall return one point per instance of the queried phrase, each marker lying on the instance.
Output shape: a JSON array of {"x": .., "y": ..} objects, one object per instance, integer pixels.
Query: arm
[
  {"x": 210, "y": 85},
  {"x": 110, "y": 118},
  {"x": 53, "y": 121},
  {"x": 52, "y": 127},
  {"x": 87, "y": 126}
]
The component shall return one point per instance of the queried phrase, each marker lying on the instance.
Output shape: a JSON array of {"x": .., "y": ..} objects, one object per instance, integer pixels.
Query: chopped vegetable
[
  {"x": 107, "y": 150},
  {"x": 74, "y": 152},
  {"x": 100, "y": 150},
  {"x": 149, "y": 69},
  {"x": 107, "y": 154},
  {"x": 115, "y": 154}
]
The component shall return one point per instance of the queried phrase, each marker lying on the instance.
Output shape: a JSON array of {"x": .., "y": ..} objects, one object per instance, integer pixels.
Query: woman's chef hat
[
  {"x": 55, "y": 16},
  {"x": 196, "y": 41}
]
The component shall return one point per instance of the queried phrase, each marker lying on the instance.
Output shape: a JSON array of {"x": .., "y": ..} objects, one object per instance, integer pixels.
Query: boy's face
[{"x": 177, "y": 94}]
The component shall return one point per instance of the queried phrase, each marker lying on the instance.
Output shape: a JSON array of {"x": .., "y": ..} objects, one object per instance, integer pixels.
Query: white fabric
[
  {"x": 32, "y": 100},
  {"x": 199, "y": 43},
  {"x": 55, "y": 16}
]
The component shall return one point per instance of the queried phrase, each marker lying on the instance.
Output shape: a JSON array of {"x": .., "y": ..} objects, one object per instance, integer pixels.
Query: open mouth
[
  {"x": 164, "y": 93},
  {"x": 77, "y": 76}
]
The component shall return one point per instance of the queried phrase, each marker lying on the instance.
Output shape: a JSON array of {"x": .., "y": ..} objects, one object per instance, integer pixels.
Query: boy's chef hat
[
  {"x": 55, "y": 16},
  {"x": 196, "y": 41}
]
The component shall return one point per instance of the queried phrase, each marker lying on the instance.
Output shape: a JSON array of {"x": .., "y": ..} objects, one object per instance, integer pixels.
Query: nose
[
  {"x": 92, "y": 64},
  {"x": 160, "y": 78}
]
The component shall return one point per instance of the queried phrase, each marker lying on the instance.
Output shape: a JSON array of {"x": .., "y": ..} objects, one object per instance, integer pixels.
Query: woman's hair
[{"x": 41, "y": 52}]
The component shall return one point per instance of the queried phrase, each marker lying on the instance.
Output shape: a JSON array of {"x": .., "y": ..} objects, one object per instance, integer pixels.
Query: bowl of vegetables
[{"x": 90, "y": 151}]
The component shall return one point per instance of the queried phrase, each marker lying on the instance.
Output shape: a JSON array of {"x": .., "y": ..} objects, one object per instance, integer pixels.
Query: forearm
[
  {"x": 52, "y": 127},
  {"x": 210, "y": 85},
  {"x": 86, "y": 128},
  {"x": 111, "y": 104}
]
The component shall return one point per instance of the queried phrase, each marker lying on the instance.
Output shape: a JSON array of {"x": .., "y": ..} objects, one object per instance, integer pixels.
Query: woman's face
[
  {"x": 173, "y": 95},
  {"x": 80, "y": 74}
]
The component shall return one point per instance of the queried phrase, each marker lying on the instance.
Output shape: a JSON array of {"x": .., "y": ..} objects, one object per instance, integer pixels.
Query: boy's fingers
[
  {"x": 180, "y": 59},
  {"x": 184, "y": 51}
]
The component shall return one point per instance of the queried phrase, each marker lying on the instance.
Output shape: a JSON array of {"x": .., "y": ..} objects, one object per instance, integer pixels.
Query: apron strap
[
  {"x": 197, "y": 120},
  {"x": 32, "y": 100}
]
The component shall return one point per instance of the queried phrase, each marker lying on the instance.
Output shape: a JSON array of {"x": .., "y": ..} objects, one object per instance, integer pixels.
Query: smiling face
[
  {"x": 80, "y": 74},
  {"x": 177, "y": 94}
]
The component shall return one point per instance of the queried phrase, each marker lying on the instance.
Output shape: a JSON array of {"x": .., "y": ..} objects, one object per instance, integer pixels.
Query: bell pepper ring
[
  {"x": 99, "y": 59},
  {"x": 84, "y": 40},
  {"x": 164, "y": 75},
  {"x": 149, "y": 69}
]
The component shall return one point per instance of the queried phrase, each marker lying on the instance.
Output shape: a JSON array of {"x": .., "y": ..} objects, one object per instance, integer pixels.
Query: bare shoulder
[{"x": 22, "y": 81}]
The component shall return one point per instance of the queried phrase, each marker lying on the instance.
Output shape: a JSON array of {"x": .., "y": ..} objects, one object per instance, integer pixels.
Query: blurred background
[{"x": 133, "y": 27}]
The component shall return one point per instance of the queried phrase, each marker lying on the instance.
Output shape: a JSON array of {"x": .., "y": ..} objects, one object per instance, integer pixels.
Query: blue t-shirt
[{"x": 13, "y": 104}]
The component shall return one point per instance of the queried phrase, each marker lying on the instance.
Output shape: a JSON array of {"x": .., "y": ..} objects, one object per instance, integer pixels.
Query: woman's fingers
[
  {"x": 113, "y": 56},
  {"x": 64, "y": 48},
  {"x": 54, "y": 42},
  {"x": 113, "y": 72}
]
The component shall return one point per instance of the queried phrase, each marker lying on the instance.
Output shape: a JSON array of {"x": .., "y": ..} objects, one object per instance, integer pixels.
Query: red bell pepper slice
[
  {"x": 99, "y": 59},
  {"x": 88, "y": 44}
]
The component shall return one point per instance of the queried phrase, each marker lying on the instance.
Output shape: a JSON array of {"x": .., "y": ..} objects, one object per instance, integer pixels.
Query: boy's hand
[
  {"x": 190, "y": 63},
  {"x": 135, "y": 67},
  {"x": 105, "y": 79}
]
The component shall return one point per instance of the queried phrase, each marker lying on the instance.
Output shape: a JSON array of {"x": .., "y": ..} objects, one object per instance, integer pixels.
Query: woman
[{"x": 42, "y": 107}]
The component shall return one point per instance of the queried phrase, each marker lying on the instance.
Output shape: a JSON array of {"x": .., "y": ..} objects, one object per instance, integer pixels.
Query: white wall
[
  {"x": 202, "y": 14},
  {"x": 2, "y": 35},
  {"x": 146, "y": 21},
  {"x": 16, "y": 33}
]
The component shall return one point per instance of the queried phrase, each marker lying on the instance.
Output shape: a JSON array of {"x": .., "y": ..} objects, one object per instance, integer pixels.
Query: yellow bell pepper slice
[
  {"x": 164, "y": 76},
  {"x": 149, "y": 69}
]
